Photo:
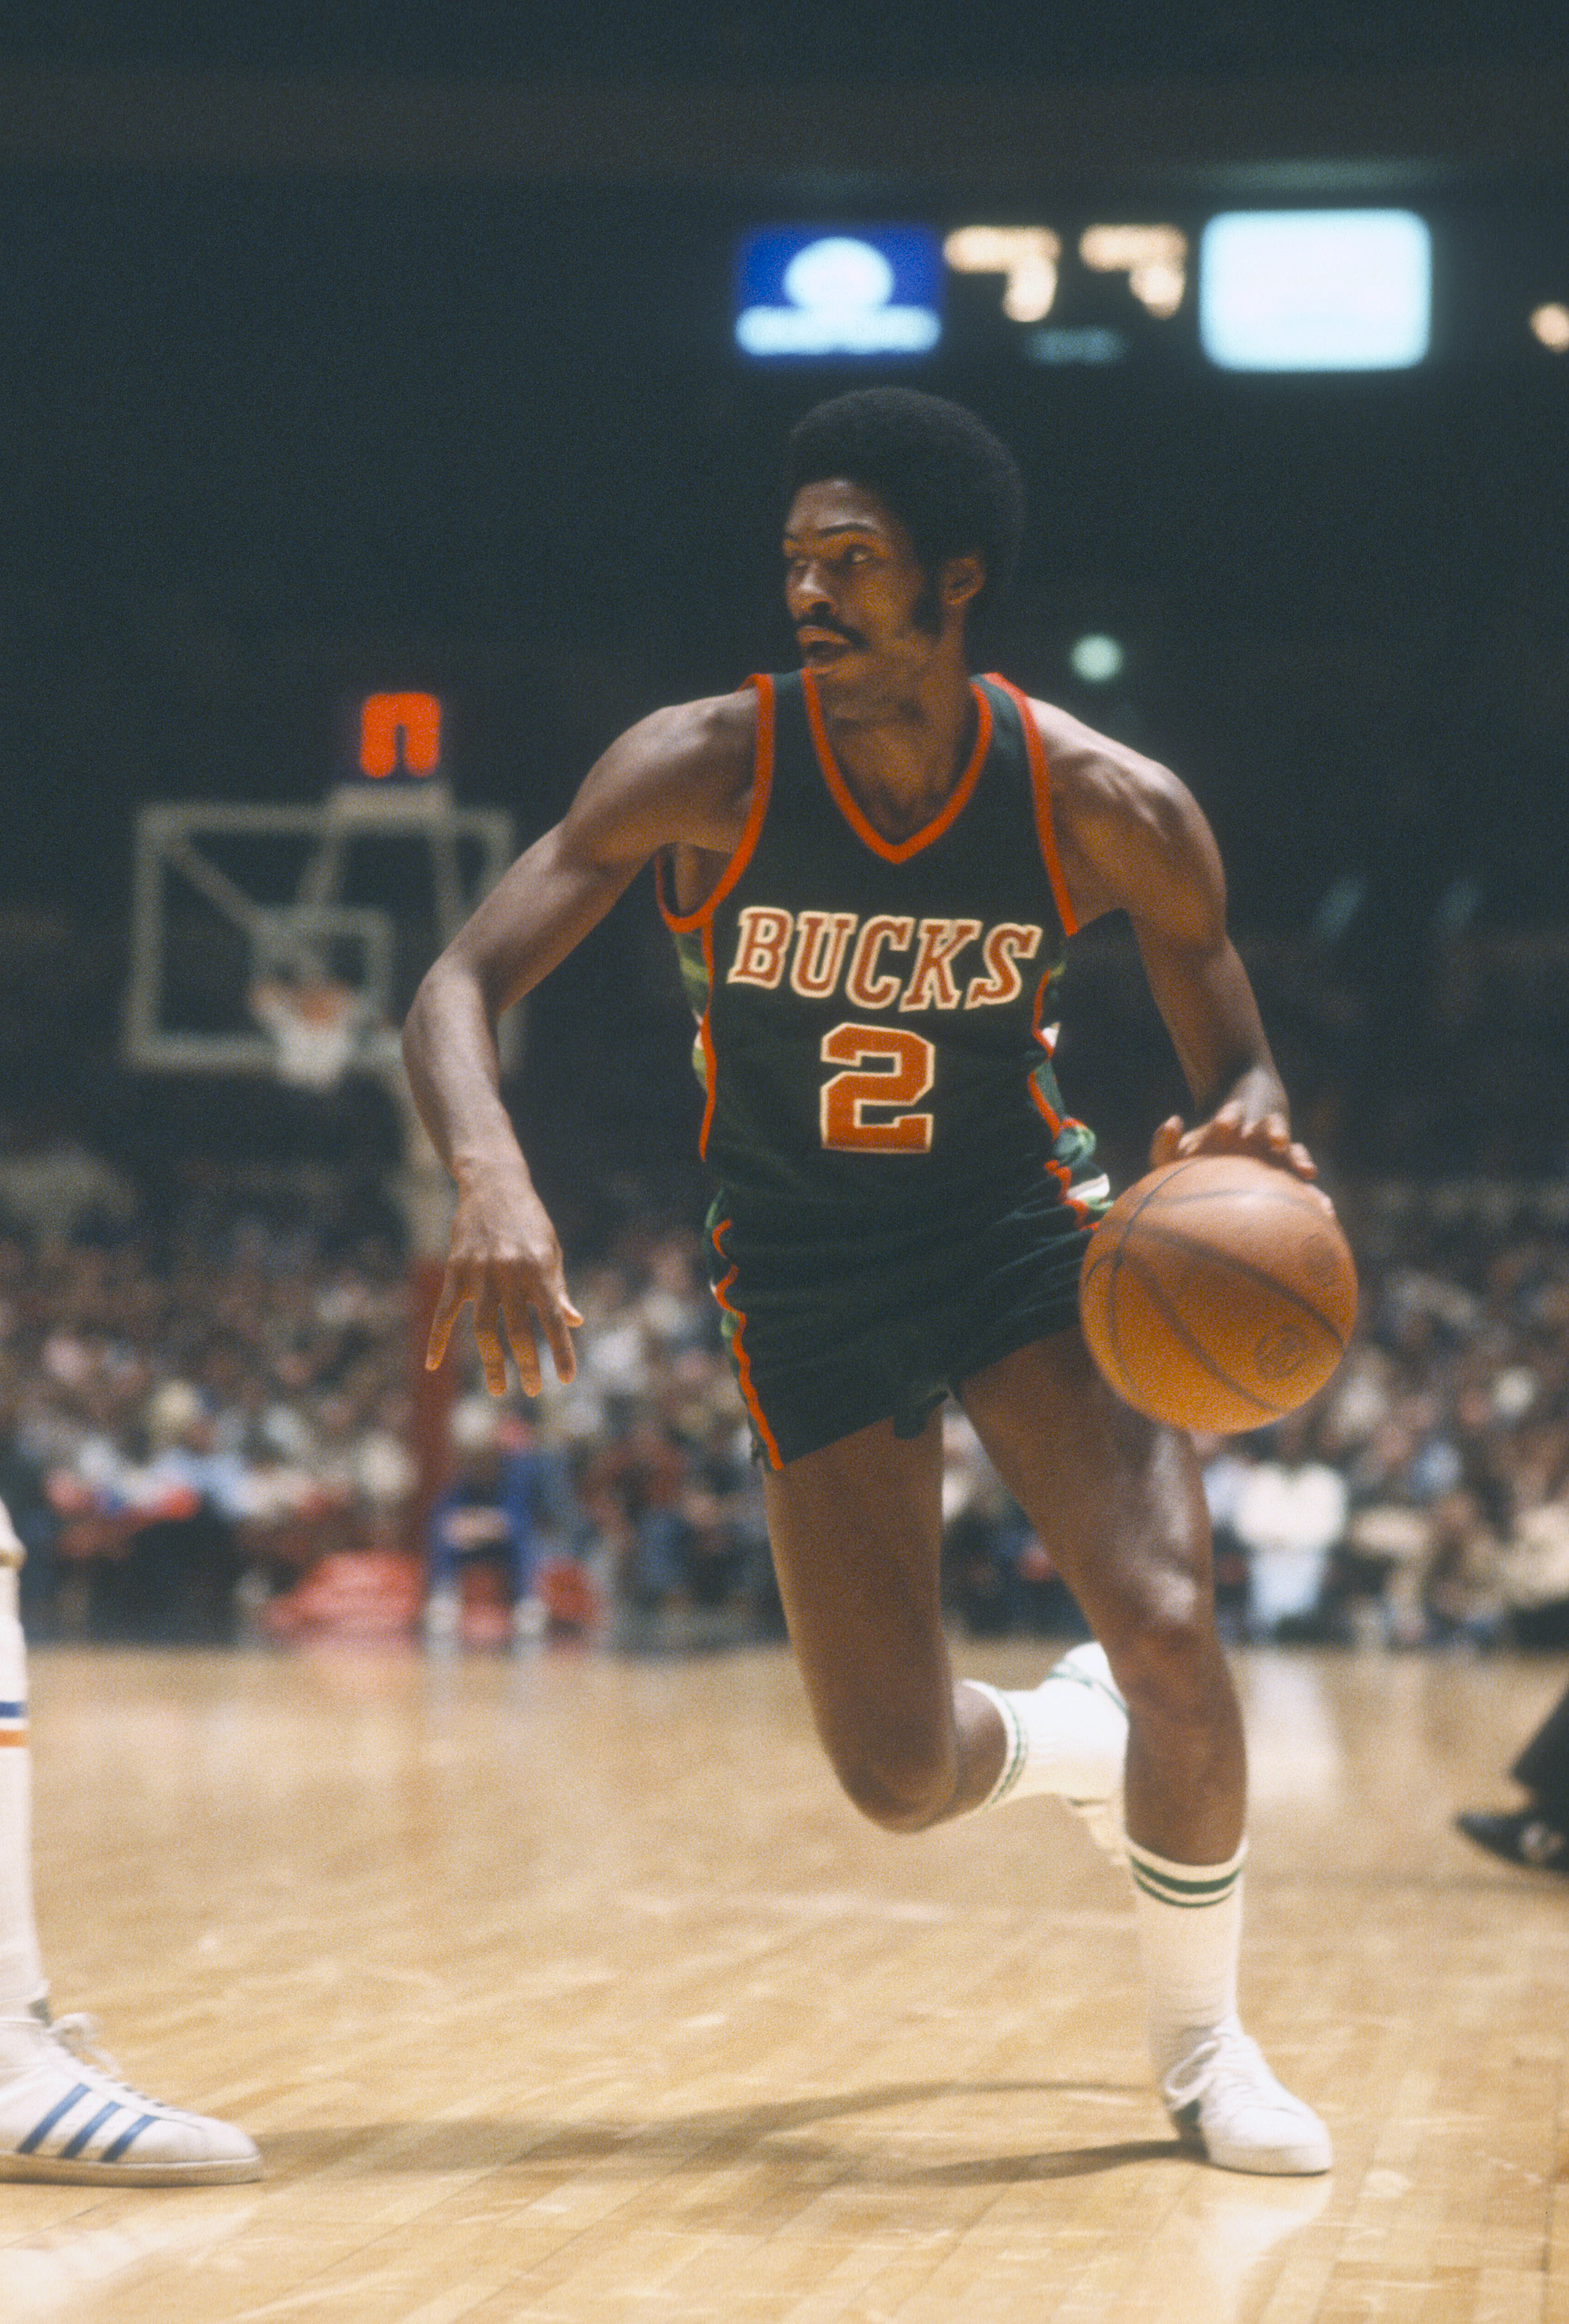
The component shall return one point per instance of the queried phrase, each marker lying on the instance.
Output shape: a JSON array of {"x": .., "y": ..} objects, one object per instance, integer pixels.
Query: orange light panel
[{"x": 399, "y": 732}]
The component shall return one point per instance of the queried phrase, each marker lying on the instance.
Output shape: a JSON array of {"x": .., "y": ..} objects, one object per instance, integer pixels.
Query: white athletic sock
[
  {"x": 1189, "y": 1919},
  {"x": 22, "y": 1980},
  {"x": 1068, "y": 1735}
]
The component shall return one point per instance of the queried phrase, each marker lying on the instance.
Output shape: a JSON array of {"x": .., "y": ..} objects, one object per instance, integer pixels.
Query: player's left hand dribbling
[{"x": 1235, "y": 1128}]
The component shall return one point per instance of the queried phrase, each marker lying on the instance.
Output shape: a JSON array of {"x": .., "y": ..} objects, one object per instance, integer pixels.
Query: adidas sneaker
[
  {"x": 66, "y": 2115},
  {"x": 1225, "y": 2102}
]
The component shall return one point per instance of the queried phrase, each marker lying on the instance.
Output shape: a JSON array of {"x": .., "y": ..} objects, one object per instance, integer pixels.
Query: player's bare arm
[
  {"x": 680, "y": 778},
  {"x": 1134, "y": 838}
]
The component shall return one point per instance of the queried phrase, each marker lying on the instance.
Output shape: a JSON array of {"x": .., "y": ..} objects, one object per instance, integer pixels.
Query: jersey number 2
[{"x": 888, "y": 1066}]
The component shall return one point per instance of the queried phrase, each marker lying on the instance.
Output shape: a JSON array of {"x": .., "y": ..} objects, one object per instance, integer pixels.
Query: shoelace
[
  {"x": 77, "y": 2032},
  {"x": 1229, "y": 2058}
]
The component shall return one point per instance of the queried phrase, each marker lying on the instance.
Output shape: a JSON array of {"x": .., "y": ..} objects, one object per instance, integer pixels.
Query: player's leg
[
  {"x": 1118, "y": 1504},
  {"x": 857, "y": 1534},
  {"x": 1118, "y": 1507},
  {"x": 24, "y": 1990},
  {"x": 64, "y": 2113}
]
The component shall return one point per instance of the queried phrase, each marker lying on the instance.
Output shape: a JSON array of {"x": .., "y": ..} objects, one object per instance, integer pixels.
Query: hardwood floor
[{"x": 568, "y": 1988}]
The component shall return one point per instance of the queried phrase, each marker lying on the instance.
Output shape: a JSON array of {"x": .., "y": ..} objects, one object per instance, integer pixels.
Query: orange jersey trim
[
  {"x": 743, "y": 1361},
  {"x": 701, "y": 921},
  {"x": 684, "y": 923},
  {"x": 1055, "y": 1169},
  {"x": 895, "y": 851},
  {"x": 1040, "y": 784},
  {"x": 706, "y": 1037}
]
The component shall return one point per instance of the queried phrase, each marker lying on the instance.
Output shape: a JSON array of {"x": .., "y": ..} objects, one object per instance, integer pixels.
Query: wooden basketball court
[{"x": 567, "y": 1988}]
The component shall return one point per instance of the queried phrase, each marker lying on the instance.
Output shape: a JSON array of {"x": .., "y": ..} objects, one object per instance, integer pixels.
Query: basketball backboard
[{"x": 360, "y": 892}]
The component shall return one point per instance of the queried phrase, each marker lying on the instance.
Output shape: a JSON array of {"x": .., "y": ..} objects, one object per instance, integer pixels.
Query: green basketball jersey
[{"x": 871, "y": 1011}]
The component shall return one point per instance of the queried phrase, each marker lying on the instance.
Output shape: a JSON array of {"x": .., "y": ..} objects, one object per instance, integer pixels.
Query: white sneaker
[
  {"x": 1087, "y": 1666},
  {"x": 1225, "y": 2100},
  {"x": 66, "y": 2115}
]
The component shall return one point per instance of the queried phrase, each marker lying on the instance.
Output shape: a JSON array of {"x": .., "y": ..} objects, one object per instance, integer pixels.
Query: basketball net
[{"x": 314, "y": 1028}]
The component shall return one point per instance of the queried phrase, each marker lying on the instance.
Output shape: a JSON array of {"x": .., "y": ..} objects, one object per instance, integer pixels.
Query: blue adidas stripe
[
  {"x": 40, "y": 2130},
  {"x": 69, "y": 2153},
  {"x": 113, "y": 2154},
  {"x": 13, "y": 1711}
]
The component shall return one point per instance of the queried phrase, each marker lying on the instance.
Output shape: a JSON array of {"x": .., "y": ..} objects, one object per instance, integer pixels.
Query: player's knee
[
  {"x": 903, "y": 1786},
  {"x": 1162, "y": 1651}
]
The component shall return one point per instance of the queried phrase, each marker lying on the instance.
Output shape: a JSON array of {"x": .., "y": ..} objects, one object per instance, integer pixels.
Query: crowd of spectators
[{"x": 204, "y": 1413}]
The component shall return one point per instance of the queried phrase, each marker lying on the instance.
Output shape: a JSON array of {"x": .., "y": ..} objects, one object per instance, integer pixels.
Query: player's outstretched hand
[
  {"x": 1240, "y": 1126},
  {"x": 504, "y": 1256}
]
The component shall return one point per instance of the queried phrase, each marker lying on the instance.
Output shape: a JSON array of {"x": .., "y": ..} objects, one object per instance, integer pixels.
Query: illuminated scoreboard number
[
  {"x": 1279, "y": 290},
  {"x": 1050, "y": 278},
  {"x": 400, "y": 736}
]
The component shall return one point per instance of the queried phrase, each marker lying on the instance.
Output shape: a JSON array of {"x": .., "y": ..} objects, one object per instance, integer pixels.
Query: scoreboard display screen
[{"x": 1282, "y": 291}]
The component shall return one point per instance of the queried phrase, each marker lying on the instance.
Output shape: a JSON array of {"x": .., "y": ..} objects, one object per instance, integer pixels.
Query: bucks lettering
[
  {"x": 869, "y": 1010},
  {"x": 884, "y": 960}
]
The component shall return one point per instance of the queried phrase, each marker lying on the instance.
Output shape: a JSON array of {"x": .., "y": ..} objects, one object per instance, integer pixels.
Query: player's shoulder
[
  {"x": 1128, "y": 830},
  {"x": 715, "y": 730},
  {"x": 1094, "y": 777},
  {"x": 689, "y": 756}
]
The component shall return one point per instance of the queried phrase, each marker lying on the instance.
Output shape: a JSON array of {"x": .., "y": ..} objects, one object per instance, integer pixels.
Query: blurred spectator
[
  {"x": 508, "y": 1488},
  {"x": 51, "y": 1187},
  {"x": 21, "y": 1493},
  {"x": 200, "y": 1407},
  {"x": 1226, "y": 1464},
  {"x": 637, "y": 1489},
  {"x": 1288, "y": 1513}
]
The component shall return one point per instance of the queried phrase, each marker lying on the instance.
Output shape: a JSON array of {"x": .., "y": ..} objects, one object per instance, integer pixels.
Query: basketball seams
[
  {"x": 1113, "y": 1330},
  {"x": 1113, "y": 1259},
  {"x": 1114, "y": 1338},
  {"x": 1174, "y": 1239},
  {"x": 1179, "y": 1259},
  {"x": 1154, "y": 1291},
  {"x": 1108, "y": 1262}
]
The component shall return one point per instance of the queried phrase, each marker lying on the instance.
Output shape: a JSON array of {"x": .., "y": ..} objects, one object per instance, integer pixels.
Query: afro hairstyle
[{"x": 953, "y": 486}]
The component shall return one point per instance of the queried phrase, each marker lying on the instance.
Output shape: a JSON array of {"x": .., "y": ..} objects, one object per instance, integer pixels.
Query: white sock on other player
[
  {"x": 23, "y": 1986},
  {"x": 65, "y": 2113}
]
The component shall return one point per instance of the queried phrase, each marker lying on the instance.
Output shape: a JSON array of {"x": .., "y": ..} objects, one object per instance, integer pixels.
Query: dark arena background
[{"x": 392, "y": 407}]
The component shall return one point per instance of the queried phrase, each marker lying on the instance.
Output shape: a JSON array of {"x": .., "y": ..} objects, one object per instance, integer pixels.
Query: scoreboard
[{"x": 1288, "y": 291}]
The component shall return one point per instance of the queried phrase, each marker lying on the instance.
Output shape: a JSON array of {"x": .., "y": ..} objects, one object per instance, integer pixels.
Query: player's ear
[{"x": 963, "y": 577}]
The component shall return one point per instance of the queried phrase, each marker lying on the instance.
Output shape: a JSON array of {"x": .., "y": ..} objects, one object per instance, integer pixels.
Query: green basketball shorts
[{"x": 833, "y": 1324}]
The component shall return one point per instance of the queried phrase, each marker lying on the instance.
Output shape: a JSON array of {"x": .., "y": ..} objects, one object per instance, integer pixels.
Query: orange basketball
[{"x": 1217, "y": 1294}]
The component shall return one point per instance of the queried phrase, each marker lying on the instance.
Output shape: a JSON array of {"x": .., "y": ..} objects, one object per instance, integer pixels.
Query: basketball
[{"x": 1218, "y": 1293}]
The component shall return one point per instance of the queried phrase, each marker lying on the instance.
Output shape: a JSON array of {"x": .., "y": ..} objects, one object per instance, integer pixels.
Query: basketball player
[
  {"x": 870, "y": 869},
  {"x": 64, "y": 2114}
]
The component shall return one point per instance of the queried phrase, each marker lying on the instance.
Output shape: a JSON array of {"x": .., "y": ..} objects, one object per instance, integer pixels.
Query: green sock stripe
[
  {"x": 1095, "y": 1685},
  {"x": 1018, "y": 1745},
  {"x": 1193, "y": 1894}
]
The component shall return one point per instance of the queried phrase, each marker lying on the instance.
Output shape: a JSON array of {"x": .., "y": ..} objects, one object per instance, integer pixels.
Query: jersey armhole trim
[
  {"x": 683, "y": 924},
  {"x": 1041, "y": 785}
]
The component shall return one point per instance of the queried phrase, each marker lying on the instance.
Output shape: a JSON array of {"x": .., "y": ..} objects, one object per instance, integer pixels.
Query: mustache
[{"x": 833, "y": 629}]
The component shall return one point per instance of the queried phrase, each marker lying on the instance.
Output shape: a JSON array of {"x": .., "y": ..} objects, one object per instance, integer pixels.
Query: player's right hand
[{"x": 504, "y": 1256}]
